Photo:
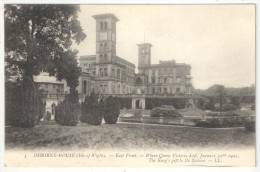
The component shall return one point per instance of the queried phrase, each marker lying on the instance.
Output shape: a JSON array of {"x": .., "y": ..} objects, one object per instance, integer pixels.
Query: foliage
[
  {"x": 229, "y": 107},
  {"x": 253, "y": 107},
  {"x": 210, "y": 105},
  {"x": 68, "y": 111},
  {"x": 219, "y": 122},
  {"x": 48, "y": 116},
  {"x": 235, "y": 100},
  {"x": 24, "y": 107},
  {"x": 39, "y": 37},
  {"x": 178, "y": 103},
  {"x": 138, "y": 112},
  {"x": 125, "y": 102},
  {"x": 250, "y": 125},
  {"x": 112, "y": 110},
  {"x": 92, "y": 109},
  {"x": 165, "y": 111}
]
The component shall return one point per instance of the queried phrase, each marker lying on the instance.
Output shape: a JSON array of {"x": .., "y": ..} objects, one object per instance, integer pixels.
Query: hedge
[
  {"x": 165, "y": 111},
  {"x": 178, "y": 103}
]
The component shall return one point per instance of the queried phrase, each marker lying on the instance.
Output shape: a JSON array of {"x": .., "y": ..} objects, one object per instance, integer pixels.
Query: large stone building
[{"x": 108, "y": 73}]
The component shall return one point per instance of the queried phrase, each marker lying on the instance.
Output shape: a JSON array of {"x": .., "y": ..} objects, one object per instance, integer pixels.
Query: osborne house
[{"x": 107, "y": 73}]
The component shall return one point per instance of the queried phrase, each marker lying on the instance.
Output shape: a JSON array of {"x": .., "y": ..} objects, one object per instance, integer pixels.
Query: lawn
[{"x": 124, "y": 136}]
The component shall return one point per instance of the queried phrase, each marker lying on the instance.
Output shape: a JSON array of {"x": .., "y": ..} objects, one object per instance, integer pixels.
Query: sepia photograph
[{"x": 124, "y": 85}]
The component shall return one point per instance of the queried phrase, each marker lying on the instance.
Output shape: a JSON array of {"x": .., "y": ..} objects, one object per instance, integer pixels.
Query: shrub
[
  {"x": 138, "y": 113},
  {"x": 253, "y": 107},
  {"x": 92, "y": 109},
  {"x": 249, "y": 125},
  {"x": 24, "y": 107},
  {"x": 68, "y": 111},
  {"x": 178, "y": 103},
  {"x": 165, "y": 111},
  {"x": 112, "y": 110},
  {"x": 219, "y": 122},
  {"x": 229, "y": 107},
  {"x": 48, "y": 116}
]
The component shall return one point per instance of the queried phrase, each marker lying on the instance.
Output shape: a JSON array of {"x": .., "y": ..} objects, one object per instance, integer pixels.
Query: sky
[{"x": 218, "y": 41}]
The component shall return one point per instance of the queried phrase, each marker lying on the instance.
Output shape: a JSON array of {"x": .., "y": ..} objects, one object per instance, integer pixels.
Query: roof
[
  {"x": 87, "y": 57},
  {"x": 125, "y": 61},
  {"x": 106, "y": 15},
  {"x": 165, "y": 65},
  {"x": 143, "y": 44},
  {"x": 45, "y": 78}
]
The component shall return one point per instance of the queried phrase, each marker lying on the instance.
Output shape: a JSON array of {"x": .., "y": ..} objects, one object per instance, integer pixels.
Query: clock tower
[
  {"x": 105, "y": 38},
  {"x": 144, "y": 54}
]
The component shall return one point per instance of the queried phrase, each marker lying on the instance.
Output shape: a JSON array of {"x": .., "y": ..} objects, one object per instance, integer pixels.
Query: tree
[
  {"x": 112, "y": 110},
  {"x": 68, "y": 111},
  {"x": 39, "y": 37},
  {"x": 92, "y": 109},
  {"x": 235, "y": 100},
  {"x": 221, "y": 92}
]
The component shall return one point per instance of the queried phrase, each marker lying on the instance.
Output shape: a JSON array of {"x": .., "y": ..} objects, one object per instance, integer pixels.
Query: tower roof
[
  {"x": 145, "y": 44},
  {"x": 106, "y": 15}
]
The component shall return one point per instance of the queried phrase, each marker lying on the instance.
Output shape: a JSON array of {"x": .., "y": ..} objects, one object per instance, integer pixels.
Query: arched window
[
  {"x": 118, "y": 88},
  {"x": 138, "y": 81},
  {"x": 165, "y": 79},
  {"x": 101, "y": 59},
  {"x": 101, "y": 47},
  {"x": 105, "y": 25},
  {"x": 101, "y": 72},
  {"x": 105, "y": 47},
  {"x": 105, "y": 71},
  {"x": 101, "y": 26},
  {"x": 105, "y": 58}
]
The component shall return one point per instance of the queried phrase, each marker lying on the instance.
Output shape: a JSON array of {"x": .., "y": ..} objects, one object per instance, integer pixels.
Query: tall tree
[
  {"x": 221, "y": 93},
  {"x": 39, "y": 37}
]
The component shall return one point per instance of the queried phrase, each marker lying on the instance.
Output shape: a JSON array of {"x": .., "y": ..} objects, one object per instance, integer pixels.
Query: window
[
  {"x": 101, "y": 26},
  {"x": 165, "y": 80},
  {"x": 105, "y": 71},
  {"x": 153, "y": 80},
  {"x": 118, "y": 73},
  {"x": 113, "y": 88},
  {"x": 105, "y": 58},
  {"x": 101, "y": 88},
  {"x": 170, "y": 80},
  {"x": 105, "y": 89},
  {"x": 101, "y": 72},
  {"x": 105, "y": 47},
  {"x": 101, "y": 47},
  {"x": 105, "y": 25},
  {"x": 153, "y": 71},
  {"x": 94, "y": 73},
  {"x": 118, "y": 88},
  {"x": 178, "y": 80},
  {"x": 153, "y": 91},
  {"x": 54, "y": 86},
  {"x": 165, "y": 90},
  {"x": 159, "y": 90},
  {"x": 101, "y": 58},
  {"x": 113, "y": 73}
]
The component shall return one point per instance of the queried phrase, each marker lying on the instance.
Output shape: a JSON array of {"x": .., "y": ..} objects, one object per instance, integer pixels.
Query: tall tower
[
  {"x": 105, "y": 38},
  {"x": 144, "y": 54}
]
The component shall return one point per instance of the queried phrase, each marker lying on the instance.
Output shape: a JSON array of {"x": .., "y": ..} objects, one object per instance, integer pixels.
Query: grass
[{"x": 49, "y": 135}]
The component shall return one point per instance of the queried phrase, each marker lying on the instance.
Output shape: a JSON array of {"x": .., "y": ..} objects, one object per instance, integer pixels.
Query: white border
[{"x": 186, "y": 169}]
